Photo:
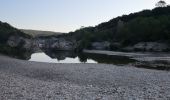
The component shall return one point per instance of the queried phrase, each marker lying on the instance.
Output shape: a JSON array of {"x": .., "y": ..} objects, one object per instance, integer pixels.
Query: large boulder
[
  {"x": 100, "y": 45},
  {"x": 17, "y": 41}
]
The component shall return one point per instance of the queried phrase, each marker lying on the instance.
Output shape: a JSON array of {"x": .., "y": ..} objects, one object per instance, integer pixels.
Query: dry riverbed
[{"x": 23, "y": 80}]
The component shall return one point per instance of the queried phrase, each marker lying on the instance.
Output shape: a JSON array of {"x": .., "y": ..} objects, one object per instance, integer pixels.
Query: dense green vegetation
[
  {"x": 144, "y": 29},
  {"x": 147, "y": 25}
]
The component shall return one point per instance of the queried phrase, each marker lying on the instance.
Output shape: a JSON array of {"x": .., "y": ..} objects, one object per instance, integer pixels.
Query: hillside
[
  {"x": 12, "y": 41},
  {"x": 7, "y": 30},
  {"x": 37, "y": 33},
  {"x": 145, "y": 26},
  {"x": 147, "y": 30}
]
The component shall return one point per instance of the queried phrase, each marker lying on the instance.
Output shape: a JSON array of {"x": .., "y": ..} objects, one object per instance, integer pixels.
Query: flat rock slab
[{"x": 23, "y": 80}]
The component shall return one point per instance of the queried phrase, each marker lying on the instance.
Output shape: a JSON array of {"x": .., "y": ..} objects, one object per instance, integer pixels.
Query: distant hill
[{"x": 38, "y": 33}]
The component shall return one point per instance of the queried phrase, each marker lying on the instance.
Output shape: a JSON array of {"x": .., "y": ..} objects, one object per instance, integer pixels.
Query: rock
[
  {"x": 54, "y": 43},
  {"x": 17, "y": 41},
  {"x": 63, "y": 44},
  {"x": 28, "y": 44},
  {"x": 148, "y": 46},
  {"x": 40, "y": 43},
  {"x": 101, "y": 45},
  {"x": 14, "y": 41}
]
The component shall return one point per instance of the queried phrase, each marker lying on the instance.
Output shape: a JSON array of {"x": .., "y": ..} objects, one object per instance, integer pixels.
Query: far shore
[{"x": 46, "y": 81}]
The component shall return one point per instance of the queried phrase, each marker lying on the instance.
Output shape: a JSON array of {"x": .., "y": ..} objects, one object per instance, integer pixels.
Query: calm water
[
  {"x": 71, "y": 57},
  {"x": 42, "y": 57}
]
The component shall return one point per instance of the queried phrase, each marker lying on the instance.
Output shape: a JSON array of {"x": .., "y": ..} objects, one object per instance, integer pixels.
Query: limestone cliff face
[
  {"x": 100, "y": 45},
  {"x": 39, "y": 43},
  {"x": 63, "y": 44},
  {"x": 56, "y": 44}
]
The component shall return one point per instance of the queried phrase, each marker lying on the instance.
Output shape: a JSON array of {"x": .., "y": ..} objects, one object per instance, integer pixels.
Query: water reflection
[
  {"x": 58, "y": 57},
  {"x": 72, "y": 57},
  {"x": 106, "y": 59},
  {"x": 26, "y": 55}
]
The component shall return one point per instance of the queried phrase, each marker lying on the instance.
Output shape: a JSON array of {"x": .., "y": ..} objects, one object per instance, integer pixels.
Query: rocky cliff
[{"x": 55, "y": 43}]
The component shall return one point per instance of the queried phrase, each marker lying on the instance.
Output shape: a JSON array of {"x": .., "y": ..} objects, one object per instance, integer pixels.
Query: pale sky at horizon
[{"x": 66, "y": 15}]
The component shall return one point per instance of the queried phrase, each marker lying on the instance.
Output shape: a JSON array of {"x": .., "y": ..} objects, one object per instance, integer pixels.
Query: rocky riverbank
[
  {"x": 140, "y": 56},
  {"x": 30, "y": 80},
  {"x": 149, "y": 60}
]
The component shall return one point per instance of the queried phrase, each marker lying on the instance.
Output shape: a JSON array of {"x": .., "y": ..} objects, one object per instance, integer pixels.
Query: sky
[{"x": 66, "y": 15}]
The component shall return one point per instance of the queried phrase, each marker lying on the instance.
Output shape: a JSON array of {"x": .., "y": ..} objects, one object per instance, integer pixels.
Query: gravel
[{"x": 23, "y": 80}]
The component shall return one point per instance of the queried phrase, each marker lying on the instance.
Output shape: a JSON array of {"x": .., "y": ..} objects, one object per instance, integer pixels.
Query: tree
[{"x": 161, "y": 3}]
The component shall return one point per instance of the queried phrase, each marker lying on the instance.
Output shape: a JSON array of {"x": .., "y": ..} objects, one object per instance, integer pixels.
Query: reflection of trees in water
[
  {"x": 60, "y": 55},
  {"x": 100, "y": 58},
  {"x": 26, "y": 55},
  {"x": 16, "y": 52},
  {"x": 107, "y": 59},
  {"x": 83, "y": 57}
]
